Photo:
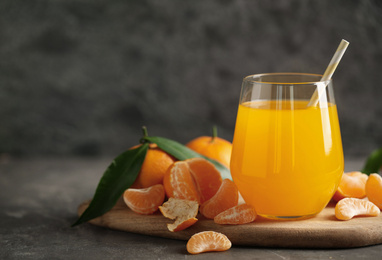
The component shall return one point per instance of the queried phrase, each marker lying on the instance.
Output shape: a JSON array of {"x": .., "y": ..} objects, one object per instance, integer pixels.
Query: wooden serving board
[{"x": 322, "y": 231}]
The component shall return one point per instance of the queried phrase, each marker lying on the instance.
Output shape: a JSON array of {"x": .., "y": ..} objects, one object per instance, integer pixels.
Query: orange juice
[{"x": 287, "y": 159}]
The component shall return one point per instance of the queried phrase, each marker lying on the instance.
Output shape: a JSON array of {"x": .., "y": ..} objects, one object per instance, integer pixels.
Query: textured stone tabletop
[{"x": 39, "y": 198}]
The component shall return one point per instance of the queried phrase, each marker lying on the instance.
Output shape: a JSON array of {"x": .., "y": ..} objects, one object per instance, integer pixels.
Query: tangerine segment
[
  {"x": 178, "y": 182},
  {"x": 226, "y": 197},
  {"x": 207, "y": 241},
  {"x": 348, "y": 208},
  {"x": 374, "y": 189},
  {"x": 213, "y": 147},
  {"x": 240, "y": 214},
  {"x": 241, "y": 199},
  {"x": 146, "y": 200},
  {"x": 206, "y": 178},
  {"x": 183, "y": 211},
  {"x": 153, "y": 168},
  {"x": 352, "y": 185}
]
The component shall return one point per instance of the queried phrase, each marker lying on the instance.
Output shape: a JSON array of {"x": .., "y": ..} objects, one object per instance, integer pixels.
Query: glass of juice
[{"x": 287, "y": 158}]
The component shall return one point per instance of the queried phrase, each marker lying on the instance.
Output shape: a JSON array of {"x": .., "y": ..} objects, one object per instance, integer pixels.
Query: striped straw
[{"x": 329, "y": 71}]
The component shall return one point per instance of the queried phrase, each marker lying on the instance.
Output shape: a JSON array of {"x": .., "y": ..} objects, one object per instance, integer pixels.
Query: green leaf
[
  {"x": 182, "y": 152},
  {"x": 373, "y": 162},
  {"x": 118, "y": 177}
]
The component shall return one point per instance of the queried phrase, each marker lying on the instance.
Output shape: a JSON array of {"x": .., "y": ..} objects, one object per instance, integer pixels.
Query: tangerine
[
  {"x": 226, "y": 197},
  {"x": 348, "y": 208},
  {"x": 207, "y": 241},
  {"x": 207, "y": 178},
  {"x": 352, "y": 185},
  {"x": 146, "y": 200},
  {"x": 374, "y": 189},
  {"x": 193, "y": 179},
  {"x": 240, "y": 214},
  {"x": 178, "y": 182},
  {"x": 153, "y": 168},
  {"x": 212, "y": 147}
]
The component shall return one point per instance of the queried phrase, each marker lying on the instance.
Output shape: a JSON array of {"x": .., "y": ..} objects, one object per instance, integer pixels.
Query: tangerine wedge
[
  {"x": 206, "y": 177},
  {"x": 374, "y": 189},
  {"x": 352, "y": 185},
  {"x": 193, "y": 179},
  {"x": 208, "y": 241},
  {"x": 183, "y": 211},
  {"x": 226, "y": 197},
  {"x": 146, "y": 200},
  {"x": 240, "y": 214},
  {"x": 178, "y": 182},
  {"x": 348, "y": 208}
]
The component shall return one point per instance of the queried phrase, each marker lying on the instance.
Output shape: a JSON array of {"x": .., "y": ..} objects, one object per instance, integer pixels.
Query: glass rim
[{"x": 250, "y": 78}]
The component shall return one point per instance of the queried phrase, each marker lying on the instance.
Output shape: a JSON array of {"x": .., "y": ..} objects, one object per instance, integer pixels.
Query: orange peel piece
[{"x": 182, "y": 211}]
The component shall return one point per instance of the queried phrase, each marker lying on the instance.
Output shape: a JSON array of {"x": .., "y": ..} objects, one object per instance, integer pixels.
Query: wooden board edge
[{"x": 116, "y": 219}]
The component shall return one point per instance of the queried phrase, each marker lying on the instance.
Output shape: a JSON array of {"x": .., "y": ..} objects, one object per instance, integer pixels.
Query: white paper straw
[{"x": 329, "y": 71}]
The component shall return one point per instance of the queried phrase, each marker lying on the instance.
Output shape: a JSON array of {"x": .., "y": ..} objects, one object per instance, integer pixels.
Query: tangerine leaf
[
  {"x": 182, "y": 152},
  {"x": 373, "y": 162},
  {"x": 118, "y": 177}
]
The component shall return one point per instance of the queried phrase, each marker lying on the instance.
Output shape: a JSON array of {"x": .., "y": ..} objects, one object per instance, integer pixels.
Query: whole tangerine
[
  {"x": 153, "y": 168},
  {"x": 213, "y": 147}
]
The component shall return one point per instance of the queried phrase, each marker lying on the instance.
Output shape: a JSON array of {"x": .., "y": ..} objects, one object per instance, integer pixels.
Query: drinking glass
[{"x": 287, "y": 158}]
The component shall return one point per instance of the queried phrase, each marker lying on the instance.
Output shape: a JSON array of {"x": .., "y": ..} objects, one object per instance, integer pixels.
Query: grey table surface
[{"x": 38, "y": 202}]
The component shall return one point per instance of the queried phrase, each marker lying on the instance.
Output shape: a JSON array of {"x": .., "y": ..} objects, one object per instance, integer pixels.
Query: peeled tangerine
[
  {"x": 193, "y": 179},
  {"x": 352, "y": 185},
  {"x": 183, "y": 211},
  {"x": 226, "y": 197},
  {"x": 207, "y": 241},
  {"x": 374, "y": 189},
  {"x": 350, "y": 207}
]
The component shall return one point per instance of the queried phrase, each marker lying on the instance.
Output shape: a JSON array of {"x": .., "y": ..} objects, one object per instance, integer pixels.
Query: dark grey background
[{"x": 82, "y": 77}]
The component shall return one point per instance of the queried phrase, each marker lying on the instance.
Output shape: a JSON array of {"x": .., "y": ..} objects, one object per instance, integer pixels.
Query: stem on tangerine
[
  {"x": 145, "y": 134},
  {"x": 214, "y": 133},
  {"x": 144, "y": 130}
]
